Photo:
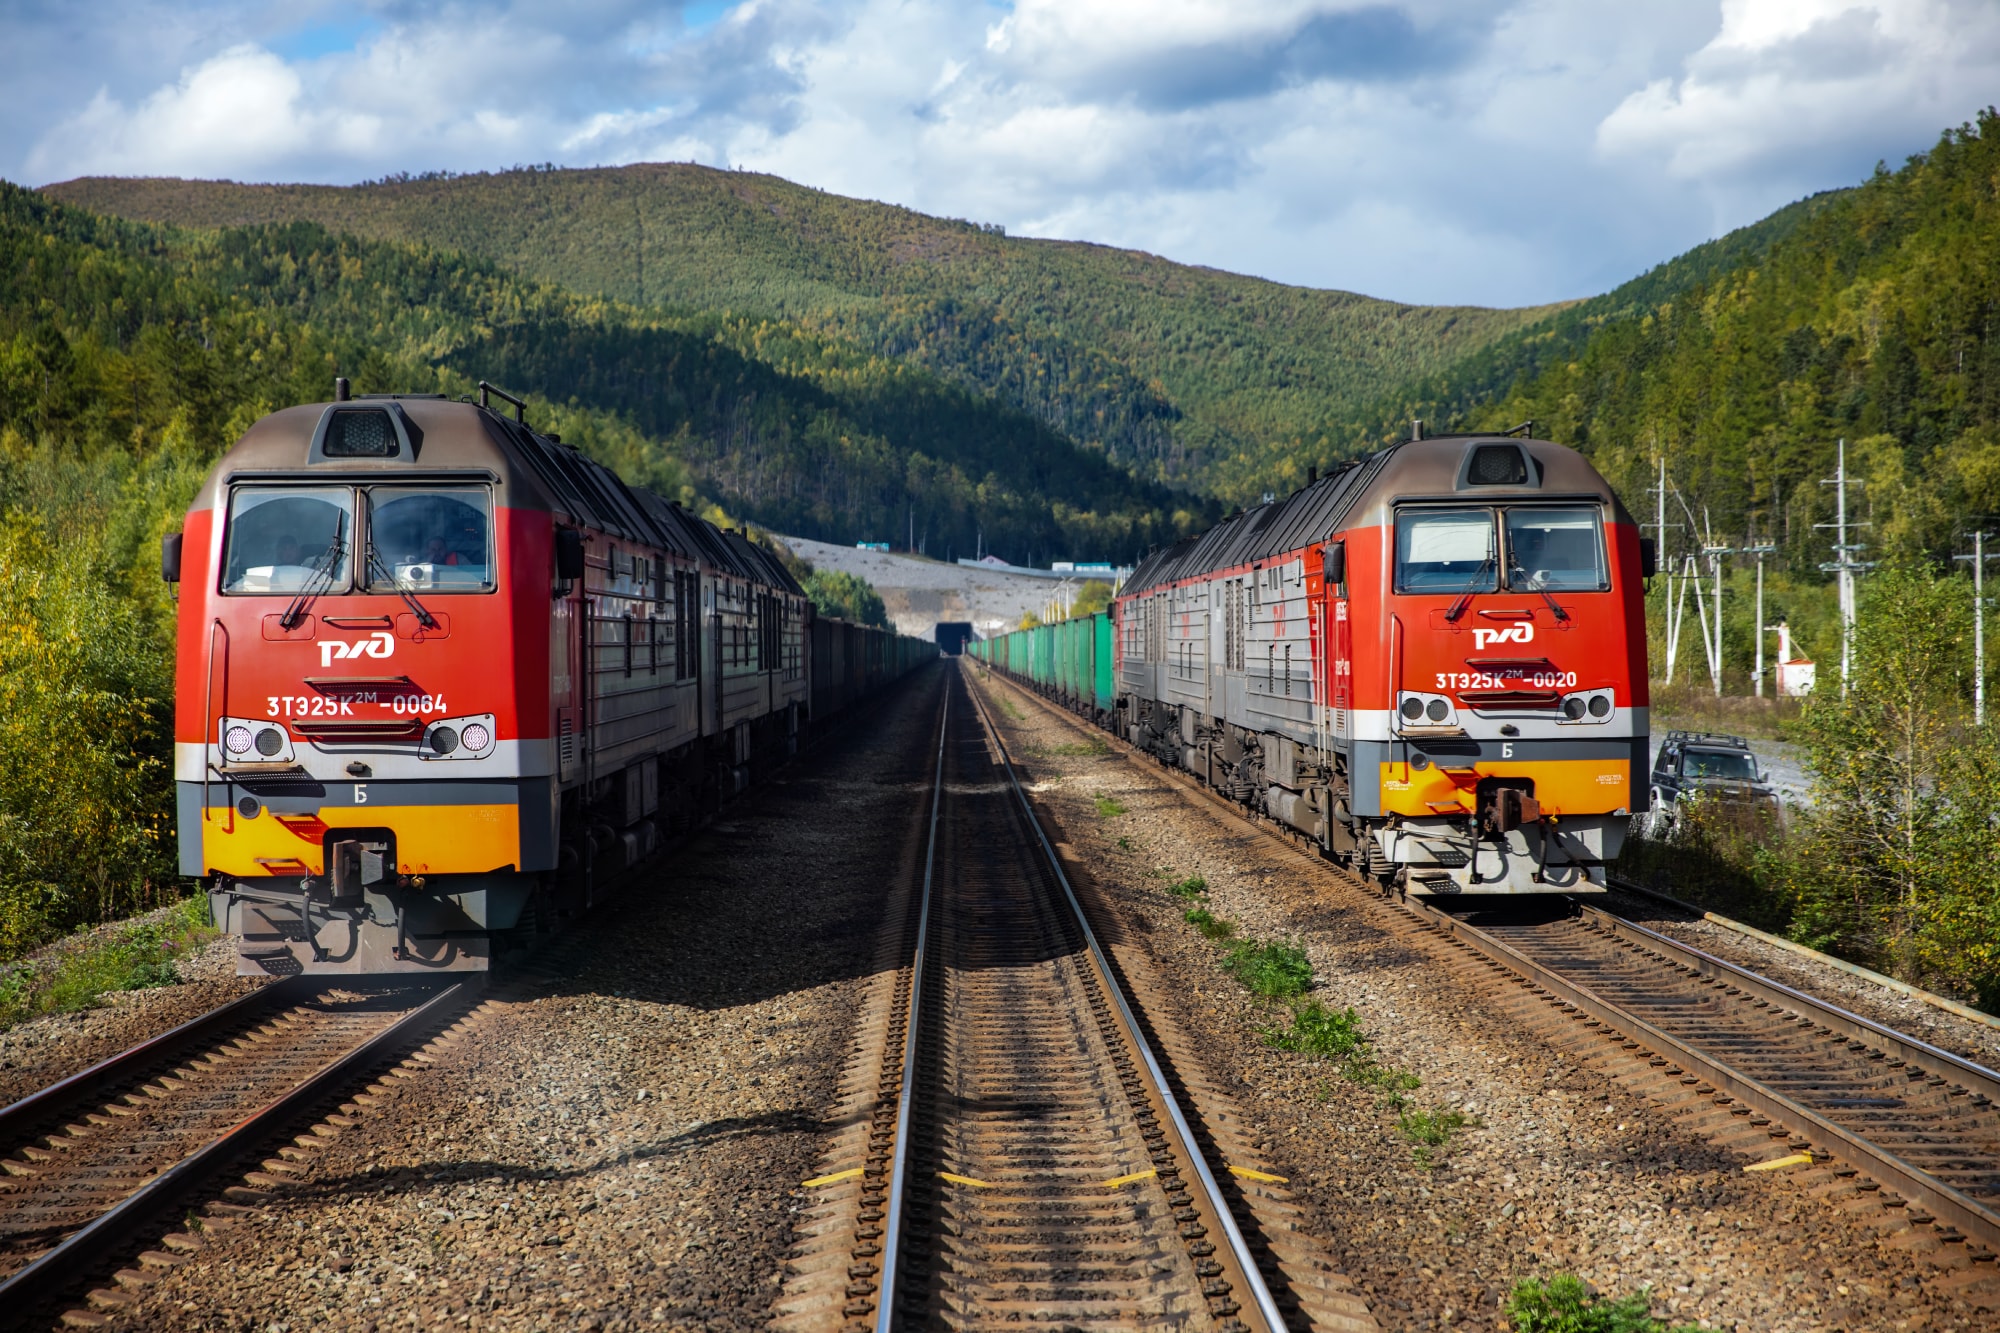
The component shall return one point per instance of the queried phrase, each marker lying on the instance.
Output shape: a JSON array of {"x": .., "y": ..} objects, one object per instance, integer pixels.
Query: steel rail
[
  {"x": 1909, "y": 1049},
  {"x": 20, "y": 1118},
  {"x": 86, "y": 1249},
  {"x": 1969, "y": 1215},
  {"x": 1961, "y": 1210},
  {"x": 899, "y": 1158},
  {"x": 1239, "y": 1247}
]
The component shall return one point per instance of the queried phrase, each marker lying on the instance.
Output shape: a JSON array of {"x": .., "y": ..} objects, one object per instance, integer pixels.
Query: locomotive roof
[
  {"x": 1432, "y": 468},
  {"x": 539, "y": 473},
  {"x": 1305, "y": 516}
]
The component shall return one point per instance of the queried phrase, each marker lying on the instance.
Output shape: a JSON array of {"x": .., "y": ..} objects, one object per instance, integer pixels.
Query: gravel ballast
[
  {"x": 616, "y": 1138},
  {"x": 1560, "y": 1167}
]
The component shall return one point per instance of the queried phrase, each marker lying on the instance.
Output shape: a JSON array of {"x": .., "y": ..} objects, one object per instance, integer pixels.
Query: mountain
[
  {"x": 1871, "y": 315},
  {"x": 1203, "y": 379},
  {"x": 775, "y": 422}
]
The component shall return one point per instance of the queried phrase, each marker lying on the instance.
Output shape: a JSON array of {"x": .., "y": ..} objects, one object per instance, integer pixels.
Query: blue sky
[{"x": 1496, "y": 152}]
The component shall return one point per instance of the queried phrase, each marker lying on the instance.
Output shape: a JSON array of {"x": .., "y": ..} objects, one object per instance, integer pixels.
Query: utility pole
[
  {"x": 1715, "y": 554},
  {"x": 1659, "y": 526},
  {"x": 1844, "y": 564},
  {"x": 1979, "y": 557},
  {"x": 1760, "y": 551}
]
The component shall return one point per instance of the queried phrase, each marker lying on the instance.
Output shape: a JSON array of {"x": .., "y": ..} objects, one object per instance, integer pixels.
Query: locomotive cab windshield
[
  {"x": 1522, "y": 548},
  {"x": 282, "y": 539}
]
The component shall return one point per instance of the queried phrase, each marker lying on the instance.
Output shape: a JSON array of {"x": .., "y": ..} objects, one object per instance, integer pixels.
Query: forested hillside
[
  {"x": 1201, "y": 378},
  {"x": 777, "y": 423},
  {"x": 1872, "y": 314}
]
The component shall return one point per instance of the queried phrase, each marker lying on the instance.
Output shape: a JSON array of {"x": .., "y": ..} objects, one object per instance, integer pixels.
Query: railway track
[
  {"x": 1811, "y": 1076},
  {"x": 93, "y": 1161},
  {"x": 1914, "y": 1128},
  {"x": 1032, "y": 1162}
]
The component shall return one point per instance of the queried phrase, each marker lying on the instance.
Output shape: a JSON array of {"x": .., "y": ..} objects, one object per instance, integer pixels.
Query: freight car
[
  {"x": 437, "y": 672},
  {"x": 1431, "y": 661}
]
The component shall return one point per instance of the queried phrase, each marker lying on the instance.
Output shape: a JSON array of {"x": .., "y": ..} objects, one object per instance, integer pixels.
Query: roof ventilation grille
[{"x": 1497, "y": 465}]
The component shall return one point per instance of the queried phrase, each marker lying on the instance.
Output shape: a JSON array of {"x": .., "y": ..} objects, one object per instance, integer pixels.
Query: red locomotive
[
  {"x": 1432, "y": 661},
  {"x": 436, "y": 669}
]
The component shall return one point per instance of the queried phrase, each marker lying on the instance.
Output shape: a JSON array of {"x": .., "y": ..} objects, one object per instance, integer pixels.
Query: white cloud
[
  {"x": 237, "y": 112},
  {"x": 1442, "y": 150},
  {"x": 1781, "y": 84}
]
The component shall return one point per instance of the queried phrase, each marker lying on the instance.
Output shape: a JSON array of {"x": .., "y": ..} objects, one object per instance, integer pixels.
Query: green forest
[{"x": 1206, "y": 380}]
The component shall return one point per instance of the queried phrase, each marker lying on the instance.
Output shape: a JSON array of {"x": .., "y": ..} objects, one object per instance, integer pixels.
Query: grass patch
[
  {"x": 77, "y": 973},
  {"x": 1194, "y": 886},
  {"x": 1564, "y": 1305},
  {"x": 1124, "y": 844},
  {"x": 1086, "y": 749},
  {"x": 1209, "y": 924},
  {"x": 1012, "y": 710},
  {"x": 1337, "y": 1035},
  {"x": 1318, "y": 1030},
  {"x": 1273, "y": 971},
  {"x": 1431, "y": 1132},
  {"x": 1107, "y": 808}
]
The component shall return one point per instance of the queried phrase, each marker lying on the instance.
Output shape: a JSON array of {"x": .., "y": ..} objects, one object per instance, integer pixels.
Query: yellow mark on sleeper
[
  {"x": 1796, "y": 1159},
  {"x": 1116, "y": 1181},
  {"x": 1245, "y": 1173},
  {"x": 835, "y": 1178},
  {"x": 965, "y": 1180}
]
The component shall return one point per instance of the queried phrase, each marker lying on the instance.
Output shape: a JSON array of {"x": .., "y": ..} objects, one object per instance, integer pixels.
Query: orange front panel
[
  {"x": 430, "y": 839},
  {"x": 1562, "y": 786}
]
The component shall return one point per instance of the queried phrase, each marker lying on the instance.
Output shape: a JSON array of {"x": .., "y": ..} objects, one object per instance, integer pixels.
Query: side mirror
[
  {"x": 170, "y": 558},
  {"x": 569, "y": 554},
  {"x": 1649, "y": 557},
  {"x": 1333, "y": 563}
]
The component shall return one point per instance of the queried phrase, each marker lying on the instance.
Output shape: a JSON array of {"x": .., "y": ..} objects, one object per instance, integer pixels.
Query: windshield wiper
[
  {"x": 320, "y": 579},
  {"x": 376, "y": 566},
  {"x": 1471, "y": 587},
  {"x": 1535, "y": 585}
]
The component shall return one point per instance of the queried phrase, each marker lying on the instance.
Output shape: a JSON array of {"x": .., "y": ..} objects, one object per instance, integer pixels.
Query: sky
[{"x": 1489, "y": 152}]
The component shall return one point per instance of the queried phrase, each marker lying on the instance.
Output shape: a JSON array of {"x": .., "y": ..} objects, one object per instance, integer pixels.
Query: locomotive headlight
[
  {"x": 1416, "y": 709},
  {"x": 1587, "y": 706},
  {"x": 459, "y": 738},
  {"x": 252, "y": 740}
]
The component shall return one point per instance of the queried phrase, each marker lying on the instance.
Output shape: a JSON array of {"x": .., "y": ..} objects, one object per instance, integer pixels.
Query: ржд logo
[{"x": 379, "y": 644}]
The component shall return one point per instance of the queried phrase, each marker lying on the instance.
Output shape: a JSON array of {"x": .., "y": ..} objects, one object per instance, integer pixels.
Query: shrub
[
  {"x": 847, "y": 597},
  {"x": 1194, "y": 886},
  {"x": 1564, "y": 1305},
  {"x": 1215, "y": 927},
  {"x": 1318, "y": 1030},
  {"x": 77, "y": 972}
]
